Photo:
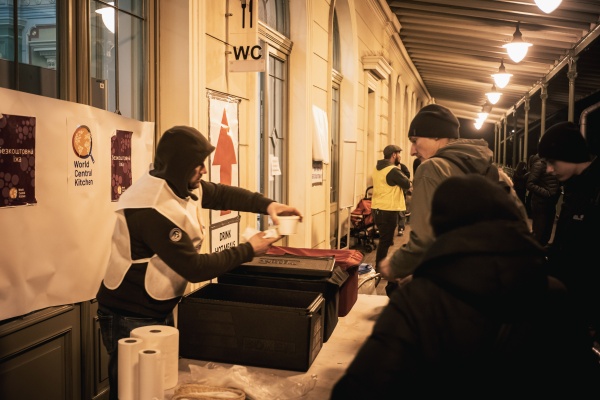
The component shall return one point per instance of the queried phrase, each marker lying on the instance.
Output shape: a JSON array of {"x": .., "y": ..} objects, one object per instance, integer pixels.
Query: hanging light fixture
[
  {"x": 486, "y": 108},
  {"x": 494, "y": 95},
  {"x": 548, "y": 6},
  {"x": 478, "y": 124},
  {"x": 517, "y": 48},
  {"x": 501, "y": 77},
  {"x": 108, "y": 17}
]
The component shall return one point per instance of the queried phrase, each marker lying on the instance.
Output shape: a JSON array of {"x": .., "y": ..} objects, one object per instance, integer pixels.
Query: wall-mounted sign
[{"x": 243, "y": 33}]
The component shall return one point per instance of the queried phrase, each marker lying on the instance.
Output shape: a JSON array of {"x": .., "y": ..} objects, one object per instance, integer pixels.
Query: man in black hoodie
[
  {"x": 158, "y": 235},
  {"x": 480, "y": 318}
]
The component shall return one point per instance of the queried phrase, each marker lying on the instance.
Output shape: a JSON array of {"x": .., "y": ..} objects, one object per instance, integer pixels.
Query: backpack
[
  {"x": 491, "y": 173},
  {"x": 468, "y": 167}
]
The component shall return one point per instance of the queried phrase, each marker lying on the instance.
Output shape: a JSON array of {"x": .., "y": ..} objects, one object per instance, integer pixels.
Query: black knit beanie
[
  {"x": 564, "y": 142},
  {"x": 464, "y": 200},
  {"x": 434, "y": 121}
]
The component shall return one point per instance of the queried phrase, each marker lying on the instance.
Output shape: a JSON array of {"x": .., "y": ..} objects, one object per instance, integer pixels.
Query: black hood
[
  {"x": 180, "y": 150},
  {"x": 494, "y": 265},
  {"x": 484, "y": 252}
]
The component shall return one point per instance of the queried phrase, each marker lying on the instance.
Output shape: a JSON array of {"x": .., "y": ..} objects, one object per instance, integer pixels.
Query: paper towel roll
[
  {"x": 128, "y": 360},
  {"x": 166, "y": 339},
  {"x": 151, "y": 385}
]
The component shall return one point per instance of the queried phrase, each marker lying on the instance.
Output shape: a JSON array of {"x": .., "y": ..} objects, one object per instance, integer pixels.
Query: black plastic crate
[
  {"x": 263, "y": 327},
  {"x": 329, "y": 287},
  {"x": 311, "y": 274}
]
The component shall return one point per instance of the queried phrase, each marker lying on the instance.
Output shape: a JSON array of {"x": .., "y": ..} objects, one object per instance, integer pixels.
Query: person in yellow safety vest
[{"x": 389, "y": 184}]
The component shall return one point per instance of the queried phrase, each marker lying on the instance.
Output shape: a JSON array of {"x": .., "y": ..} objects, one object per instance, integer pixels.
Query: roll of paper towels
[
  {"x": 151, "y": 386},
  {"x": 166, "y": 339},
  {"x": 128, "y": 360}
]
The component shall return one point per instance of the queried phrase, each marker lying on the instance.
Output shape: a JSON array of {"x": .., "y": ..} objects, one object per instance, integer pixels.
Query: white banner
[{"x": 54, "y": 251}]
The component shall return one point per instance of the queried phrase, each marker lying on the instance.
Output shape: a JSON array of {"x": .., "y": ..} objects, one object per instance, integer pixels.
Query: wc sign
[
  {"x": 245, "y": 53},
  {"x": 247, "y": 59}
]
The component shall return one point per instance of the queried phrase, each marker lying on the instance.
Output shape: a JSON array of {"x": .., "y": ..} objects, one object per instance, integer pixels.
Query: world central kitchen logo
[{"x": 82, "y": 147}]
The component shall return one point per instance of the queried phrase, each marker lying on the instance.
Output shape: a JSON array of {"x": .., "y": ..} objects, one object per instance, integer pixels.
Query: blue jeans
[{"x": 114, "y": 327}]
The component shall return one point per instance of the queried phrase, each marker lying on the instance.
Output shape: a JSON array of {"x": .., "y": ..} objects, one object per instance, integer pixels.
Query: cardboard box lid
[{"x": 290, "y": 265}]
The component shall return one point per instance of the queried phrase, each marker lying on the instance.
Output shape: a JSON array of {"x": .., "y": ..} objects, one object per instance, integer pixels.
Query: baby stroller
[{"x": 363, "y": 223}]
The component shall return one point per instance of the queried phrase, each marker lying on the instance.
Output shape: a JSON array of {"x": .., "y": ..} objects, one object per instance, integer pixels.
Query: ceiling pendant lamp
[
  {"x": 482, "y": 116},
  {"x": 501, "y": 77},
  {"x": 517, "y": 48},
  {"x": 494, "y": 95},
  {"x": 486, "y": 108},
  {"x": 548, "y": 6}
]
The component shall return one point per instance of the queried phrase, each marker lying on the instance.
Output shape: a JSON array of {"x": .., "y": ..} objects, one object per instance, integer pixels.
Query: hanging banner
[
  {"x": 58, "y": 156},
  {"x": 120, "y": 165},
  {"x": 223, "y": 133}
]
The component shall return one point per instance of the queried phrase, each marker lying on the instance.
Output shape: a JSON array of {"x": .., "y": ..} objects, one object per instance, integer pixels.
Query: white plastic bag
[
  {"x": 256, "y": 385},
  {"x": 368, "y": 279}
]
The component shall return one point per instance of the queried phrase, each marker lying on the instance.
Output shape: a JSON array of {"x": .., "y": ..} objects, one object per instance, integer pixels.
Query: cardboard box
[{"x": 258, "y": 326}]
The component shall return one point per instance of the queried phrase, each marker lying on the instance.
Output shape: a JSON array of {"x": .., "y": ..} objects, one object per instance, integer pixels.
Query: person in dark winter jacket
[
  {"x": 389, "y": 184},
  {"x": 480, "y": 317},
  {"x": 157, "y": 239},
  {"x": 544, "y": 189},
  {"x": 519, "y": 179},
  {"x": 573, "y": 253}
]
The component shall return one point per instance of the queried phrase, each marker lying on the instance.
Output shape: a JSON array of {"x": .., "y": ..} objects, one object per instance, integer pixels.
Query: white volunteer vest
[{"x": 161, "y": 282}]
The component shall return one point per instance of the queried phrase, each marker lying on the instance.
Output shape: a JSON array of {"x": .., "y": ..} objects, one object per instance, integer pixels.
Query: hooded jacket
[
  {"x": 479, "y": 318},
  {"x": 574, "y": 250},
  {"x": 159, "y": 231},
  {"x": 544, "y": 186},
  {"x": 429, "y": 175}
]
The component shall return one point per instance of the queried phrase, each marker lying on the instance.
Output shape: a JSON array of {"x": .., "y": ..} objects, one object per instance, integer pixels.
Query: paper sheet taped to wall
[{"x": 320, "y": 135}]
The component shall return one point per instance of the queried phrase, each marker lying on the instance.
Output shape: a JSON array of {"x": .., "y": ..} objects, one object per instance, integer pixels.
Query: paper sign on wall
[
  {"x": 17, "y": 160},
  {"x": 320, "y": 134}
]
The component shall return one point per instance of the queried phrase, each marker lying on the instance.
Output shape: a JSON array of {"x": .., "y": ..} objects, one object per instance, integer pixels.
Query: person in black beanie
[
  {"x": 479, "y": 315},
  {"x": 573, "y": 253},
  {"x": 436, "y": 142}
]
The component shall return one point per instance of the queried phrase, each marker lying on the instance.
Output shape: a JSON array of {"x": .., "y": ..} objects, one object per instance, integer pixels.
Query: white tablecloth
[{"x": 334, "y": 357}]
